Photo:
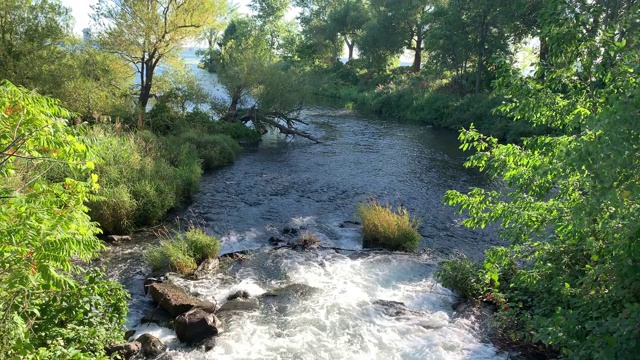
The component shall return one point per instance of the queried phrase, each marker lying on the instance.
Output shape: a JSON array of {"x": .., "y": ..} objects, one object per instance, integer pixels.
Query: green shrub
[
  {"x": 201, "y": 246},
  {"x": 114, "y": 209},
  {"x": 184, "y": 252},
  {"x": 394, "y": 230},
  {"x": 463, "y": 276},
  {"x": 214, "y": 150}
]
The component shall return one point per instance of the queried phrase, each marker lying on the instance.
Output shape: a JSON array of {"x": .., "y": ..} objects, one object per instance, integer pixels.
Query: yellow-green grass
[{"x": 386, "y": 228}]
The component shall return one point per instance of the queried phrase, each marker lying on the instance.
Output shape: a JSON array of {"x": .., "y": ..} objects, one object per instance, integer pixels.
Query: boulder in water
[
  {"x": 157, "y": 316},
  {"x": 196, "y": 326},
  {"x": 151, "y": 345},
  {"x": 240, "y": 294},
  {"x": 207, "y": 267},
  {"x": 240, "y": 304},
  {"x": 176, "y": 301},
  {"x": 392, "y": 308},
  {"x": 124, "y": 351},
  {"x": 129, "y": 333},
  {"x": 291, "y": 291}
]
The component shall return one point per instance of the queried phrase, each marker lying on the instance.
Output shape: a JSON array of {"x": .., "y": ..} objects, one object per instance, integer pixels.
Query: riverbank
[{"x": 421, "y": 99}]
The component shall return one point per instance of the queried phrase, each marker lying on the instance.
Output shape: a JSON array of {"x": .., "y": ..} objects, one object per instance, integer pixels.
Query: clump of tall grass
[
  {"x": 183, "y": 252},
  {"x": 384, "y": 227}
]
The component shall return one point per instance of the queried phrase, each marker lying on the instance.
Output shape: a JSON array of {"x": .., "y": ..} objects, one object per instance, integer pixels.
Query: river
[{"x": 294, "y": 182}]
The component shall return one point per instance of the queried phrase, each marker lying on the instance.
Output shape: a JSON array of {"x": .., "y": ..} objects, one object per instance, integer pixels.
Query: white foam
[{"x": 342, "y": 321}]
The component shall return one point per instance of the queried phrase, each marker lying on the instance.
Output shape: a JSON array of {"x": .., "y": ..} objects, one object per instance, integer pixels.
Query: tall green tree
[
  {"x": 347, "y": 20},
  {"x": 31, "y": 33},
  {"x": 147, "y": 33},
  {"x": 404, "y": 24},
  {"x": 569, "y": 208},
  {"x": 465, "y": 35}
]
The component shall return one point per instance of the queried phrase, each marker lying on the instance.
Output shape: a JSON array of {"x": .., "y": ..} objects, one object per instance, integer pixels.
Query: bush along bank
[
  {"x": 421, "y": 99},
  {"x": 145, "y": 174}
]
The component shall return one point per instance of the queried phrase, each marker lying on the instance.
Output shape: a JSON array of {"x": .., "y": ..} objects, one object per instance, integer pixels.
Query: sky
[{"x": 81, "y": 10}]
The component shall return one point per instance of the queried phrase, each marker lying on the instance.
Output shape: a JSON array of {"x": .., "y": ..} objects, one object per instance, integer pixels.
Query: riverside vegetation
[{"x": 559, "y": 129}]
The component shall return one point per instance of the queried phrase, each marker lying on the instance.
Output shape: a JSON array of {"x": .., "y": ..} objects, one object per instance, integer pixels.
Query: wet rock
[
  {"x": 276, "y": 241},
  {"x": 176, "y": 301},
  {"x": 291, "y": 291},
  {"x": 158, "y": 316},
  {"x": 240, "y": 304},
  {"x": 237, "y": 255},
  {"x": 480, "y": 312},
  {"x": 151, "y": 345},
  {"x": 239, "y": 294},
  {"x": 392, "y": 308},
  {"x": 349, "y": 224},
  {"x": 196, "y": 326},
  {"x": 151, "y": 280},
  {"x": 207, "y": 344},
  {"x": 118, "y": 238},
  {"x": 124, "y": 351},
  {"x": 207, "y": 267},
  {"x": 128, "y": 334},
  {"x": 293, "y": 231}
]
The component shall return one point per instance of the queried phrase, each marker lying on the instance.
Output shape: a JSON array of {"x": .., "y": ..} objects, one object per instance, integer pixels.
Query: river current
[{"x": 292, "y": 182}]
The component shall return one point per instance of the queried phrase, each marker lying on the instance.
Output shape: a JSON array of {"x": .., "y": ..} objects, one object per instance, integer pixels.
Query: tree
[
  {"x": 568, "y": 280},
  {"x": 347, "y": 20},
  {"x": 30, "y": 36},
  {"x": 404, "y": 23},
  {"x": 46, "y": 234},
  {"x": 147, "y": 33},
  {"x": 262, "y": 90}
]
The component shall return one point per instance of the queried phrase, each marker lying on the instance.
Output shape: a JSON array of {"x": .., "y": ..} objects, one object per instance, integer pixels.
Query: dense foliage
[
  {"x": 568, "y": 281},
  {"x": 47, "y": 306}
]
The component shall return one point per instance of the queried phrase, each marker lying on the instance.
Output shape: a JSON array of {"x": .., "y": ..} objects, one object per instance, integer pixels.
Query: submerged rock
[
  {"x": 392, "y": 308},
  {"x": 118, "y": 238},
  {"x": 176, "y": 301},
  {"x": 151, "y": 345},
  {"x": 239, "y": 294},
  {"x": 207, "y": 267},
  {"x": 196, "y": 326},
  {"x": 291, "y": 291},
  {"x": 240, "y": 304},
  {"x": 158, "y": 316},
  {"x": 124, "y": 351}
]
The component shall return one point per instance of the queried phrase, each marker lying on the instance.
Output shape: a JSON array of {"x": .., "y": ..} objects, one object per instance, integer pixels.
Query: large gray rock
[
  {"x": 176, "y": 301},
  {"x": 124, "y": 351},
  {"x": 151, "y": 345},
  {"x": 196, "y": 326}
]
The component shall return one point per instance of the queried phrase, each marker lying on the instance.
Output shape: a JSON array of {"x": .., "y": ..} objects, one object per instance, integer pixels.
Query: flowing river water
[{"x": 354, "y": 312}]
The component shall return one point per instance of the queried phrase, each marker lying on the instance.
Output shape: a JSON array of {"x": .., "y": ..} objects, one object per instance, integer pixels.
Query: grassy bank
[
  {"x": 145, "y": 174},
  {"x": 422, "y": 99}
]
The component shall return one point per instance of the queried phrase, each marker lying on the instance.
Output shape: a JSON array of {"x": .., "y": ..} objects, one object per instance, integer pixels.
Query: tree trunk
[
  {"x": 146, "y": 81},
  {"x": 233, "y": 107},
  {"x": 350, "y": 46},
  {"x": 417, "y": 59},
  {"x": 481, "y": 45}
]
